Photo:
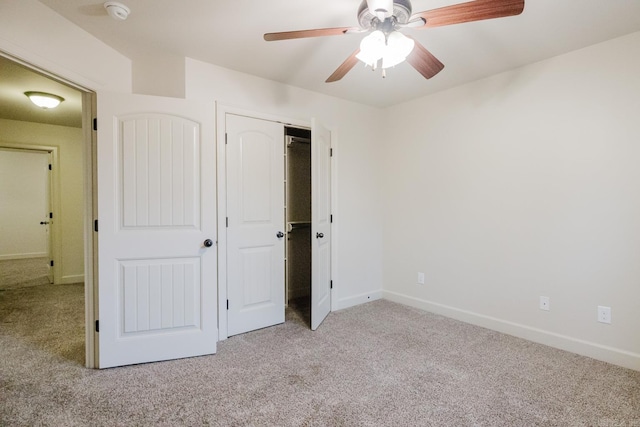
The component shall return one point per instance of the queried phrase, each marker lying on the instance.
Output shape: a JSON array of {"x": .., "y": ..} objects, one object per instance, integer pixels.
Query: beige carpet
[
  {"x": 22, "y": 273},
  {"x": 378, "y": 364}
]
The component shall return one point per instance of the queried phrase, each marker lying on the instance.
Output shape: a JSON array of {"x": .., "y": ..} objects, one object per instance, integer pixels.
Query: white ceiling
[{"x": 229, "y": 33}]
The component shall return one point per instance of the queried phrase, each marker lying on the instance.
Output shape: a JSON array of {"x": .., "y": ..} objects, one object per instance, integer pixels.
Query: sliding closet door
[{"x": 256, "y": 223}]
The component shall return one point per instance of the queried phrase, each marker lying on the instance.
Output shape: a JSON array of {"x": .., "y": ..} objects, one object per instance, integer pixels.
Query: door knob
[
  {"x": 279, "y": 234},
  {"x": 208, "y": 243},
  {"x": 319, "y": 235}
]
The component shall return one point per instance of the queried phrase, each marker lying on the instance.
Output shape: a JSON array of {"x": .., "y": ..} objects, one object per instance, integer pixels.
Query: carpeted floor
[
  {"x": 377, "y": 364},
  {"x": 23, "y": 273},
  {"x": 49, "y": 318}
]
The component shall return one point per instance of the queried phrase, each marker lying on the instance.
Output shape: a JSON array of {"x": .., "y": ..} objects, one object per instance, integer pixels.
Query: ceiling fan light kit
[
  {"x": 386, "y": 44},
  {"x": 392, "y": 49}
]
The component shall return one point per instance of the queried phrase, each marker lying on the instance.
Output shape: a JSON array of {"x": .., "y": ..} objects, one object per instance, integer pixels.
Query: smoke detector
[{"x": 116, "y": 10}]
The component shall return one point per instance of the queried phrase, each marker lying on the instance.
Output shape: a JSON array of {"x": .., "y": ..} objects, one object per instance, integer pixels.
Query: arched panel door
[
  {"x": 255, "y": 223},
  {"x": 157, "y": 292}
]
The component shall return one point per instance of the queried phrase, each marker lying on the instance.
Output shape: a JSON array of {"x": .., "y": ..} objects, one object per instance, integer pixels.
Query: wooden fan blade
[
  {"x": 476, "y": 10},
  {"x": 288, "y": 35},
  {"x": 423, "y": 61},
  {"x": 344, "y": 68}
]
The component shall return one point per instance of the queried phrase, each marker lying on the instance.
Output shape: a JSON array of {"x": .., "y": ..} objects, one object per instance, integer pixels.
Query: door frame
[
  {"x": 221, "y": 111},
  {"x": 89, "y": 165}
]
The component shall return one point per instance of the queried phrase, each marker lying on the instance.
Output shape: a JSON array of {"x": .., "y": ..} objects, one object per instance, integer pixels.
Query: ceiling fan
[{"x": 386, "y": 46}]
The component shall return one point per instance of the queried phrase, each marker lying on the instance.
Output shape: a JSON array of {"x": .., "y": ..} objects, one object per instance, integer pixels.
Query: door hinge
[
  {"x": 95, "y": 124},
  {"x": 97, "y": 326},
  {"x": 330, "y": 152},
  {"x": 331, "y": 218},
  {"x": 51, "y": 263},
  {"x": 330, "y": 284},
  {"x": 50, "y": 215},
  {"x": 225, "y": 138},
  {"x": 95, "y": 225},
  {"x": 227, "y": 304},
  {"x": 227, "y": 222},
  {"x": 49, "y": 167}
]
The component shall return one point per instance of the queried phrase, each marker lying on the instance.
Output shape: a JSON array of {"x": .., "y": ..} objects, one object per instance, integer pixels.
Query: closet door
[
  {"x": 320, "y": 224},
  {"x": 256, "y": 228}
]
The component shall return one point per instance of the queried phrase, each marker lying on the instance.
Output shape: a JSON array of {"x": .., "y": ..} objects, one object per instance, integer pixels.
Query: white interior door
[
  {"x": 24, "y": 208},
  {"x": 320, "y": 224},
  {"x": 255, "y": 231},
  {"x": 157, "y": 289}
]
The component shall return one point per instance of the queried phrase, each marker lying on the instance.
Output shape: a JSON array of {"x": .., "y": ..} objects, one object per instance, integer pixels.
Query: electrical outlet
[
  {"x": 545, "y": 304},
  {"x": 420, "y": 278},
  {"x": 604, "y": 314}
]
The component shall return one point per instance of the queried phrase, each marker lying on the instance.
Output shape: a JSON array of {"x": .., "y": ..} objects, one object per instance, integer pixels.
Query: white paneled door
[
  {"x": 320, "y": 224},
  {"x": 24, "y": 204},
  {"x": 256, "y": 228},
  {"x": 157, "y": 292}
]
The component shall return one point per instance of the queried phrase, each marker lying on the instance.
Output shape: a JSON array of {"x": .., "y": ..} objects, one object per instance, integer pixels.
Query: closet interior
[{"x": 298, "y": 221}]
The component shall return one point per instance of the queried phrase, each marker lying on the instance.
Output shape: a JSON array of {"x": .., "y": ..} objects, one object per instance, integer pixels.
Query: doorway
[
  {"x": 298, "y": 222},
  {"x": 64, "y": 135}
]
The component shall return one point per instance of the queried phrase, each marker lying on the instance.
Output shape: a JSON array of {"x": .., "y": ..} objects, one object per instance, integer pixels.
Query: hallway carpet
[{"x": 22, "y": 273}]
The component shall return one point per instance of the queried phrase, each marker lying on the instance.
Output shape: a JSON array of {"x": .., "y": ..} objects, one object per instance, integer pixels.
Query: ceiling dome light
[
  {"x": 117, "y": 11},
  {"x": 44, "y": 100}
]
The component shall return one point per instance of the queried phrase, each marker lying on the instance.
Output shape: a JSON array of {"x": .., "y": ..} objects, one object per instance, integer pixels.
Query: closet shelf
[
  {"x": 295, "y": 225},
  {"x": 292, "y": 140}
]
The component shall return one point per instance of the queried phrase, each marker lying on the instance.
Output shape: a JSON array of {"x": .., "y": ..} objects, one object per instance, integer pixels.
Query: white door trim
[
  {"x": 90, "y": 166},
  {"x": 334, "y": 211},
  {"x": 221, "y": 111}
]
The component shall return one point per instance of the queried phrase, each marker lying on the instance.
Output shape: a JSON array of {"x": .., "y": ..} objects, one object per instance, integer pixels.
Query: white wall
[
  {"x": 34, "y": 33},
  {"x": 357, "y": 216},
  {"x": 147, "y": 80},
  {"x": 68, "y": 140},
  {"x": 24, "y": 203},
  {"x": 522, "y": 185},
  {"x": 55, "y": 44}
]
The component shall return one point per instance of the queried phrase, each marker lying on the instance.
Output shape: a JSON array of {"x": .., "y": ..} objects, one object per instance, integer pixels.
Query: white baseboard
[
  {"x": 356, "y": 300},
  {"x": 23, "y": 256},
  {"x": 604, "y": 353},
  {"x": 67, "y": 280}
]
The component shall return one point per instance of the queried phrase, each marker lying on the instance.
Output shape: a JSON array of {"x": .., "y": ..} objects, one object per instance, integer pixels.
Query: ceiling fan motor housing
[{"x": 401, "y": 12}]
